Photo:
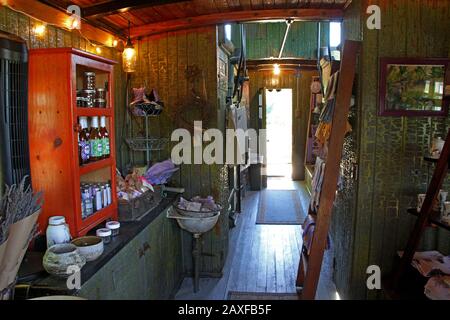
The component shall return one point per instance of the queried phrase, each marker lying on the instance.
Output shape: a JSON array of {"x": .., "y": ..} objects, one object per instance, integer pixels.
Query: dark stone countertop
[{"x": 32, "y": 276}]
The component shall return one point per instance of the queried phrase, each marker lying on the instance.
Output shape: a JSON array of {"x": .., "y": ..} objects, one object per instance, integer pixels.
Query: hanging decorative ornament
[{"x": 129, "y": 56}]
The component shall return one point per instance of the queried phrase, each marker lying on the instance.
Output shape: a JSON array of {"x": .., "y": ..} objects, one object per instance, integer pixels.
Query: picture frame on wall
[{"x": 414, "y": 87}]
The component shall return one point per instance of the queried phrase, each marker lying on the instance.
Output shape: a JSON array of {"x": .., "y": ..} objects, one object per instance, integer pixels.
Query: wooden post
[{"x": 331, "y": 174}]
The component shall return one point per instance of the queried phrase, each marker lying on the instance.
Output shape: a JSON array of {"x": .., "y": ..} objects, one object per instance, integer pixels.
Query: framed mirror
[{"x": 414, "y": 87}]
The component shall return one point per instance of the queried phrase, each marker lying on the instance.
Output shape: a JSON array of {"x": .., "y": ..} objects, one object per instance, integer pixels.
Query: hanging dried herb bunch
[{"x": 17, "y": 203}]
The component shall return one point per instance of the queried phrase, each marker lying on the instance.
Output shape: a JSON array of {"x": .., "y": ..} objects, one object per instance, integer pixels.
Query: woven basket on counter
[{"x": 136, "y": 208}]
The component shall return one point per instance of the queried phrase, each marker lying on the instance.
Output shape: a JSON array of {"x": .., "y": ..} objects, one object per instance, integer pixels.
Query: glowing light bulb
[
  {"x": 39, "y": 30},
  {"x": 129, "y": 57},
  {"x": 129, "y": 53},
  {"x": 73, "y": 23},
  {"x": 98, "y": 50},
  {"x": 115, "y": 43},
  {"x": 276, "y": 69}
]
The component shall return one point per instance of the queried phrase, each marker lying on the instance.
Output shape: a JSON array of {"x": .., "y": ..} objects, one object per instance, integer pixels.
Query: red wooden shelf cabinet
[{"x": 55, "y": 75}]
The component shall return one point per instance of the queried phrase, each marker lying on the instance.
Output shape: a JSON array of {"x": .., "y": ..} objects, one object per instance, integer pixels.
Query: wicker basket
[{"x": 136, "y": 208}]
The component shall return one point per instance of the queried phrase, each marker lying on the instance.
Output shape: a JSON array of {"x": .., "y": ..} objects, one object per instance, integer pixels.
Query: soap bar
[{"x": 193, "y": 206}]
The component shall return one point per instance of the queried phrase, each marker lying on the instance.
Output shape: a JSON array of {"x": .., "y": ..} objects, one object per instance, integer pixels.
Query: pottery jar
[
  {"x": 57, "y": 231},
  {"x": 62, "y": 259}
]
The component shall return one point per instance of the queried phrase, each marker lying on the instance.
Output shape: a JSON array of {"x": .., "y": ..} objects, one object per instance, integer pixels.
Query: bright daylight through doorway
[{"x": 279, "y": 133}]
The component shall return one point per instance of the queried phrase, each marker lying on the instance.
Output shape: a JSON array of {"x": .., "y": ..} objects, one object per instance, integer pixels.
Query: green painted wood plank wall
[
  {"x": 391, "y": 149},
  {"x": 264, "y": 39},
  {"x": 162, "y": 62}
]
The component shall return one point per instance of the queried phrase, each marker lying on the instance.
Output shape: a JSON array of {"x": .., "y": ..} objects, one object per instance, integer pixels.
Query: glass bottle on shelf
[
  {"x": 84, "y": 147},
  {"x": 95, "y": 141},
  {"x": 83, "y": 204},
  {"x": 88, "y": 206},
  {"x": 104, "y": 134},
  {"x": 108, "y": 194},
  {"x": 98, "y": 199}
]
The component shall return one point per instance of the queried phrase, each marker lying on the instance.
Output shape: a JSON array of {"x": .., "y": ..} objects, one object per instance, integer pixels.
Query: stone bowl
[
  {"x": 90, "y": 247},
  {"x": 59, "y": 257}
]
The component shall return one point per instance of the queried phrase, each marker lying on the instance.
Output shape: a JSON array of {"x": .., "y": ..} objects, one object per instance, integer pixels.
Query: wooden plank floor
[{"x": 262, "y": 258}]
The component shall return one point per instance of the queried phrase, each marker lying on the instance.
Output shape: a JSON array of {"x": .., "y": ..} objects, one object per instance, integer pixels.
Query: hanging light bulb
[
  {"x": 129, "y": 56},
  {"x": 276, "y": 69},
  {"x": 98, "y": 50},
  {"x": 115, "y": 43}
]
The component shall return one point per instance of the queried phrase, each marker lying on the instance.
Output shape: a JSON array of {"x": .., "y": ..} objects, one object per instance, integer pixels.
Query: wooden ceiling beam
[
  {"x": 98, "y": 23},
  {"x": 118, "y": 6},
  {"x": 56, "y": 17},
  {"x": 237, "y": 16},
  {"x": 285, "y": 63}
]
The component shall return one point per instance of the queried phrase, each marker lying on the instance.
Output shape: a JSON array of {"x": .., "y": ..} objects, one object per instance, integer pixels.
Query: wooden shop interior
[{"x": 339, "y": 189}]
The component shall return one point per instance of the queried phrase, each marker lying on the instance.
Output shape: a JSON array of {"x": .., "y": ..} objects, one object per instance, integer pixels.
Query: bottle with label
[
  {"x": 87, "y": 200},
  {"x": 104, "y": 134},
  {"x": 108, "y": 194},
  {"x": 83, "y": 206},
  {"x": 104, "y": 196},
  {"x": 98, "y": 199},
  {"x": 95, "y": 141},
  {"x": 84, "y": 147}
]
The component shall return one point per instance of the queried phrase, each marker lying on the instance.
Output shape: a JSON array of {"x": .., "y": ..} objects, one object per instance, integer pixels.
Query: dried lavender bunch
[
  {"x": 22, "y": 202},
  {"x": 6, "y": 219},
  {"x": 17, "y": 203}
]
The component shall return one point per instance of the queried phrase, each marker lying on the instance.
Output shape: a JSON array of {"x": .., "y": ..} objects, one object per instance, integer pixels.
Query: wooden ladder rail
[
  {"x": 434, "y": 187},
  {"x": 331, "y": 174}
]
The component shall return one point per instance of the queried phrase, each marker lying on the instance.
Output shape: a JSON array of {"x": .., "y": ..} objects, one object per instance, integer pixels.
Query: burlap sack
[{"x": 17, "y": 245}]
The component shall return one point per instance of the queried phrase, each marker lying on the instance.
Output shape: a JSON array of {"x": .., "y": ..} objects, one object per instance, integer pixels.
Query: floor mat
[
  {"x": 280, "y": 207},
  {"x": 235, "y": 295}
]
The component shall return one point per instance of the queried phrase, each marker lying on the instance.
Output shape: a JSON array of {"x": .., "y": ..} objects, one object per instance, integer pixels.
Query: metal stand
[
  {"x": 196, "y": 255},
  {"x": 145, "y": 144}
]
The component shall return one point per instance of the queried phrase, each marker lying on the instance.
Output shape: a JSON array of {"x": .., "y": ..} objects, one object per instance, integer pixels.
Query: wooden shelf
[
  {"x": 93, "y": 112},
  {"x": 434, "y": 220},
  {"x": 93, "y": 166},
  {"x": 431, "y": 159}
]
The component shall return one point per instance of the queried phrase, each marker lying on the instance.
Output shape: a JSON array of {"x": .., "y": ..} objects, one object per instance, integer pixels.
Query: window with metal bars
[{"x": 14, "y": 109}]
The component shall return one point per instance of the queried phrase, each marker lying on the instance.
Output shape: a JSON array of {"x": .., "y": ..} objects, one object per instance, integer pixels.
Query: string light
[
  {"x": 98, "y": 49},
  {"x": 71, "y": 23},
  {"x": 39, "y": 30}
]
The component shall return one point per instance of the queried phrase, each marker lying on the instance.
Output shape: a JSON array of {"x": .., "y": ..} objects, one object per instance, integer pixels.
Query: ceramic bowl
[
  {"x": 59, "y": 257},
  {"x": 90, "y": 247},
  {"x": 198, "y": 214}
]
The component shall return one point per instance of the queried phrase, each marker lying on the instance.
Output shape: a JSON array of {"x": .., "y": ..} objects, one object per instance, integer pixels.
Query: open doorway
[{"x": 279, "y": 133}]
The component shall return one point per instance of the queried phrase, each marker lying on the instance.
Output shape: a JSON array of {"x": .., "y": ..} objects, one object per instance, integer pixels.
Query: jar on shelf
[
  {"x": 100, "y": 93},
  {"x": 89, "y": 80},
  {"x": 114, "y": 226},
  {"x": 57, "y": 231},
  {"x": 105, "y": 234},
  {"x": 89, "y": 96},
  {"x": 100, "y": 103}
]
